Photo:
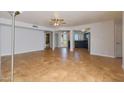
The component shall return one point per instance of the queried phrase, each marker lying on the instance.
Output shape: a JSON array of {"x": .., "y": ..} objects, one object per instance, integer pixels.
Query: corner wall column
[
  {"x": 0, "y": 58},
  {"x": 0, "y": 68},
  {"x": 123, "y": 41},
  {"x": 71, "y": 41},
  {"x": 53, "y": 45}
]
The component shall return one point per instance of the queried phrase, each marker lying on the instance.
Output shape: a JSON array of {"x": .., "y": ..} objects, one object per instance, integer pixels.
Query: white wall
[
  {"x": 123, "y": 42},
  {"x": 27, "y": 40},
  {"x": 102, "y": 37},
  {"x": 118, "y": 38},
  {"x": 0, "y": 43},
  {"x": 24, "y": 25},
  {"x": 0, "y": 39}
]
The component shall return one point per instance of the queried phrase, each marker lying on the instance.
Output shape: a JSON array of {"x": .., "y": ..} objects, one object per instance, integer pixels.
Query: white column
[
  {"x": 0, "y": 68},
  {"x": 71, "y": 41},
  {"x": 44, "y": 39},
  {"x": 53, "y": 45},
  {"x": 0, "y": 58},
  {"x": 123, "y": 43},
  {"x": 12, "y": 46}
]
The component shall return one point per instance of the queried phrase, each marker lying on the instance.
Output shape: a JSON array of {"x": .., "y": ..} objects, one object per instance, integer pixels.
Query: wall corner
[{"x": 123, "y": 66}]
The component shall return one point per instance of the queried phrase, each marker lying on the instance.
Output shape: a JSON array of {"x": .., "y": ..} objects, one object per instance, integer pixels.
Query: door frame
[{"x": 50, "y": 36}]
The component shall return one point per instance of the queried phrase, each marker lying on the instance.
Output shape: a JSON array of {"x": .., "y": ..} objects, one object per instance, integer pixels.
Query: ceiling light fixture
[
  {"x": 85, "y": 29},
  {"x": 57, "y": 21}
]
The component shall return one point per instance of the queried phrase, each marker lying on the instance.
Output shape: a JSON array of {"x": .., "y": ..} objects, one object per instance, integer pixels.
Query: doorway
[
  {"x": 61, "y": 39},
  {"x": 48, "y": 40},
  {"x": 64, "y": 39},
  {"x": 82, "y": 39}
]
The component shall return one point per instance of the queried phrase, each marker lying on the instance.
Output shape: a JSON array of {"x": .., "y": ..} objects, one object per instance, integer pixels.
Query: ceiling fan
[{"x": 56, "y": 21}]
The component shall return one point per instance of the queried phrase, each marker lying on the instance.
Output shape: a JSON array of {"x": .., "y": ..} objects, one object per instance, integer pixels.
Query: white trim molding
[
  {"x": 123, "y": 66},
  {"x": 4, "y": 21},
  {"x": 96, "y": 54}
]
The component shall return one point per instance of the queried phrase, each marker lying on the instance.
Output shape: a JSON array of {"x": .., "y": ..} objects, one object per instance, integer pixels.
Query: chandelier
[{"x": 57, "y": 21}]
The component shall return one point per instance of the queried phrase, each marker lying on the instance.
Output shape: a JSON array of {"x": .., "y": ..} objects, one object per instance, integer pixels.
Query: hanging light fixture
[
  {"x": 86, "y": 29},
  {"x": 13, "y": 14},
  {"x": 56, "y": 21}
]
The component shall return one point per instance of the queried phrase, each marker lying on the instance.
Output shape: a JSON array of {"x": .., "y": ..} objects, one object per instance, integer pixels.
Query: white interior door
[{"x": 118, "y": 34}]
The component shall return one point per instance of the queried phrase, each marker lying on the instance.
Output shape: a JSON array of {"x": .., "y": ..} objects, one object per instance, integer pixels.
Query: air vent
[{"x": 35, "y": 26}]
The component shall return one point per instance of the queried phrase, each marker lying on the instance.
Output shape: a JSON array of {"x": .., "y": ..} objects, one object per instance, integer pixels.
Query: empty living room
[{"x": 61, "y": 46}]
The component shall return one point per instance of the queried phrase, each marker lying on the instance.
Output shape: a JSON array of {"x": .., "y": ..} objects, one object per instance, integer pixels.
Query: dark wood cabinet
[{"x": 80, "y": 44}]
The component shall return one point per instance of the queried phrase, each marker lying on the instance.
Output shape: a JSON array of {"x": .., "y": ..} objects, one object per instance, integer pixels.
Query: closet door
[{"x": 118, "y": 40}]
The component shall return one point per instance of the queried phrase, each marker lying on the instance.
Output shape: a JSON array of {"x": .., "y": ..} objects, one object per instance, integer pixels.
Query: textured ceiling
[{"x": 72, "y": 18}]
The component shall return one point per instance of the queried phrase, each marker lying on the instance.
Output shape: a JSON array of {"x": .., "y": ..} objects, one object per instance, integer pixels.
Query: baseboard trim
[
  {"x": 16, "y": 53},
  {"x": 102, "y": 55},
  {"x": 123, "y": 66}
]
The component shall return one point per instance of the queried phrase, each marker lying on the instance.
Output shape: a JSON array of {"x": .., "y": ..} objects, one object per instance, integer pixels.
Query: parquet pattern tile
[{"x": 62, "y": 65}]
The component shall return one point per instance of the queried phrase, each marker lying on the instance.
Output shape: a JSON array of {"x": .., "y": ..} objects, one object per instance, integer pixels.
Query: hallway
[{"x": 63, "y": 65}]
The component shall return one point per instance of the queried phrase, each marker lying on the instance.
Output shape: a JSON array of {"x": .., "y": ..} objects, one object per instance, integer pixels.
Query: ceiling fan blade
[
  {"x": 53, "y": 19},
  {"x": 63, "y": 23},
  {"x": 61, "y": 19}
]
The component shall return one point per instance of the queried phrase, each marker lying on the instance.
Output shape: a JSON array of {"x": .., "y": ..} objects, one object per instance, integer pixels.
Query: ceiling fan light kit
[{"x": 57, "y": 21}]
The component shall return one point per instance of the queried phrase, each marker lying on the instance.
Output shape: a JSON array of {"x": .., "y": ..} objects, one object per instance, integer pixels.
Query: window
[{"x": 76, "y": 37}]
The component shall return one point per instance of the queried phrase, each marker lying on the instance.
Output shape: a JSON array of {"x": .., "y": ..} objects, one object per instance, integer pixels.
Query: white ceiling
[{"x": 72, "y": 18}]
